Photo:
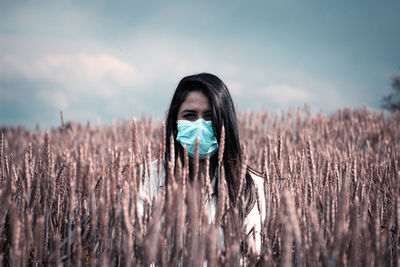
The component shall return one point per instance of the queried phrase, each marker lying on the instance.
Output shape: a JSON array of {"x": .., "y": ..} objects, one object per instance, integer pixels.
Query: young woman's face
[{"x": 196, "y": 106}]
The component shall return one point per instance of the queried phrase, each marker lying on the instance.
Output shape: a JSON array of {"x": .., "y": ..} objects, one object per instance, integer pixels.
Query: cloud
[
  {"x": 285, "y": 94},
  {"x": 98, "y": 67},
  {"x": 75, "y": 72},
  {"x": 89, "y": 81},
  {"x": 57, "y": 98}
]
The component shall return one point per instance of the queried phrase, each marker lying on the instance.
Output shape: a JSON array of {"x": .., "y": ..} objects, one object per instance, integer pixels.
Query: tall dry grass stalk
[{"x": 71, "y": 195}]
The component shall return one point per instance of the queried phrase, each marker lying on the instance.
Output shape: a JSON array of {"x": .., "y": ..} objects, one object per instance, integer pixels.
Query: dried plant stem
[{"x": 88, "y": 195}]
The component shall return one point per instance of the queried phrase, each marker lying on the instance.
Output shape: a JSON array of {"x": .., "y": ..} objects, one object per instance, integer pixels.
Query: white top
[{"x": 152, "y": 187}]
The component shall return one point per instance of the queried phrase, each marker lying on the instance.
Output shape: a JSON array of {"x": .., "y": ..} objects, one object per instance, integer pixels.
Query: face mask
[{"x": 187, "y": 135}]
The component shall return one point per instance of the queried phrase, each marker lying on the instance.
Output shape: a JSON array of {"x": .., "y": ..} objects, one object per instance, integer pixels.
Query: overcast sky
[{"x": 98, "y": 60}]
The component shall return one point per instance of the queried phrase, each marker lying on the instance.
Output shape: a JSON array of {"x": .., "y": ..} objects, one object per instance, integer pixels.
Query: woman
[{"x": 200, "y": 108}]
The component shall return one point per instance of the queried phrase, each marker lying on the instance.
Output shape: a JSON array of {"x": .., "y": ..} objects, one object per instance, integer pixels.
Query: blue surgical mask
[{"x": 188, "y": 131}]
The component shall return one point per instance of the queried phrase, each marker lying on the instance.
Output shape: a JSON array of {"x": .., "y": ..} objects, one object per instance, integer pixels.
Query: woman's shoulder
[{"x": 257, "y": 176}]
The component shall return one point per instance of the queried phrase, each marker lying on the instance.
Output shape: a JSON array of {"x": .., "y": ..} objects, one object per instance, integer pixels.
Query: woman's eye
[{"x": 188, "y": 116}]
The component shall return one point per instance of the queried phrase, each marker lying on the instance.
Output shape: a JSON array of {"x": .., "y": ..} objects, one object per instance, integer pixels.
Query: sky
[{"x": 103, "y": 60}]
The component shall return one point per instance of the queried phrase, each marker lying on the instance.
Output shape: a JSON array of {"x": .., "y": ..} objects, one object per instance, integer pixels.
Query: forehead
[{"x": 195, "y": 100}]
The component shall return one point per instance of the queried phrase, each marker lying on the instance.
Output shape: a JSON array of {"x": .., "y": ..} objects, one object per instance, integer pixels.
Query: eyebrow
[
  {"x": 192, "y": 110},
  {"x": 188, "y": 110}
]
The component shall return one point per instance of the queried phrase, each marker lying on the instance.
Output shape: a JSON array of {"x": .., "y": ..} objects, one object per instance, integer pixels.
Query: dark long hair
[{"x": 223, "y": 113}]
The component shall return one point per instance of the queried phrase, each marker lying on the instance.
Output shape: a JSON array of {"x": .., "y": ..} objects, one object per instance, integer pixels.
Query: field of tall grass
[{"x": 70, "y": 195}]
